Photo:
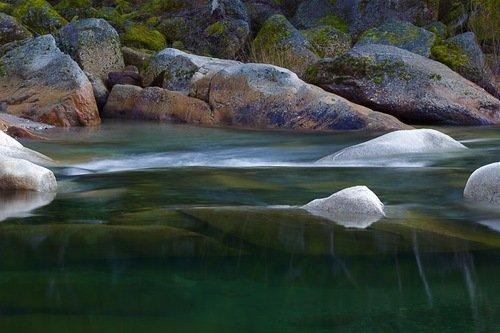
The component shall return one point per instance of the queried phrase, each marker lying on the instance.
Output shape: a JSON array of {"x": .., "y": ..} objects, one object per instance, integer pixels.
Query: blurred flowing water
[{"x": 172, "y": 228}]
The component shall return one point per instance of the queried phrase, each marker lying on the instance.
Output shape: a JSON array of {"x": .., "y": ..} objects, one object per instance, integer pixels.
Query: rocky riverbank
[{"x": 301, "y": 65}]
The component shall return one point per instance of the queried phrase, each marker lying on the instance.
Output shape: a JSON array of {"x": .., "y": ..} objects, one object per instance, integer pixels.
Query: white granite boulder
[
  {"x": 354, "y": 207},
  {"x": 11, "y": 148},
  {"x": 404, "y": 142},
  {"x": 483, "y": 185},
  {"x": 18, "y": 174}
]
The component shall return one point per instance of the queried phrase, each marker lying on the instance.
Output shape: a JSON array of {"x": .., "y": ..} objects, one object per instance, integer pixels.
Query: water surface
[{"x": 185, "y": 229}]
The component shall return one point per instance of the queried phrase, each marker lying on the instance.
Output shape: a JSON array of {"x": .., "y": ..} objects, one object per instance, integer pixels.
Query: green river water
[{"x": 172, "y": 228}]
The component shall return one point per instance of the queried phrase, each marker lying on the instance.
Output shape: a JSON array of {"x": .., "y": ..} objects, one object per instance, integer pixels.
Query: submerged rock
[
  {"x": 406, "y": 85},
  {"x": 400, "y": 34},
  {"x": 280, "y": 43},
  {"x": 418, "y": 141},
  {"x": 11, "y": 30},
  {"x": 18, "y": 174},
  {"x": 355, "y": 207},
  {"x": 154, "y": 103},
  {"x": 94, "y": 44},
  {"x": 483, "y": 185},
  {"x": 41, "y": 83},
  {"x": 265, "y": 96}
]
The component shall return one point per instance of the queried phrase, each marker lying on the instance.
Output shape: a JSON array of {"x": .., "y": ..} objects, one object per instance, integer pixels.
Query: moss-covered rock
[
  {"x": 463, "y": 54},
  {"x": 39, "y": 16},
  {"x": 227, "y": 37},
  {"x": 328, "y": 41},
  {"x": 71, "y": 9},
  {"x": 411, "y": 87},
  {"x": 437, "y": 28},
  {"x": 11, "y": 30},
  {"x": 140, "y": 36},
  {"x": 279, "y": 43},
  {"x": 6, "y": 7},
  {"x": 400, "y": 34}
]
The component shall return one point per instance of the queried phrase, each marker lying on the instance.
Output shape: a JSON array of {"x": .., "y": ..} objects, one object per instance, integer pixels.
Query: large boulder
[
  {"x": 405, "y": 142},
  {"x": 400, "y": 34},
  {"x": 38, "y": 15},
  {"x": 327, "y": 41},
  {"x": 411, "y": 87},
  {"x": 463, "y": 54},
  {"x": 42, "y": 83},
  {"x": 174, "y": 69},
  {"x": 154, "y": 103},
  {"x": 11, "y": 148},
  {"x": 18, "y": 174},
  {"x": 355, "y": 207},
  {"x": 94, "y": 44},
  {"x": 360, "y": 15},
  {"x": 11, "y": 30},
  {"x": 280, "y": 43},
  {"x": 483, "y": 185},
  {"x": 265, "y": 96}
]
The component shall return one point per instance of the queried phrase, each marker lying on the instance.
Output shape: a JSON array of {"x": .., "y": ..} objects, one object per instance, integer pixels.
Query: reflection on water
[
  {"x": 20, "y": 204},
  {"x": 181, "y": 229}
]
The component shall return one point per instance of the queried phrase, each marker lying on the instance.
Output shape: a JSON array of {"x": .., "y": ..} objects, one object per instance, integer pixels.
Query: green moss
[
  {"x": 39, "y": 16},
  {"x": 327, "y": 41},
  {"x": 140, "y": 36},
  {"x": 275, "y": 30},
  {"x": 347, "y": 67},
  {"x": 2, "y": 70},
  {"x": 392, "y": 37},
  {"x": 216, "y": 29},
  {"x": 160, "y": 7},
  {"x": 178, "y": 45},
  {"x": 449, "y": 54},
  {"x": 5, "y": 7},
  {"x": 435, "y": 77},
  {"x": 336, "y": 22}
]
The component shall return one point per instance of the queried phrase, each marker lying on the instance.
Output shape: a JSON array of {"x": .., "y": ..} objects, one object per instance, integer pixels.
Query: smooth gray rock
[
  {"x": 405, "y": 142},
  {"x": 415, "y": 89},
  {"x": 94, "y": 44},
  {"x": 483, "y": 185},
  {"x": 354, "y": 207},
  {"x": 174, "y": 70},
  {"x": 400, "y": 34},
  {"x": 18, "y": 174},
  {"x": 11, "y": 30},
  {"x": 11, "y": 148},
  {"x": 42, "y": 83},
  {"x": 265, "y": 96}
]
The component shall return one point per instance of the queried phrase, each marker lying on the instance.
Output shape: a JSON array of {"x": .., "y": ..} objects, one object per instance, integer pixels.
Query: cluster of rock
[
  {"x": 359, "y": 207},
  {"x": 78, "y": 72}
]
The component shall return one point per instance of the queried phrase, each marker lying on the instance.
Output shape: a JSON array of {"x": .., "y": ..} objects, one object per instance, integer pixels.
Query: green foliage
[
  {"x": 336, "y": 22},
  {"x": 39, "y": 16},
  {"x": 140, "y": 36}
]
